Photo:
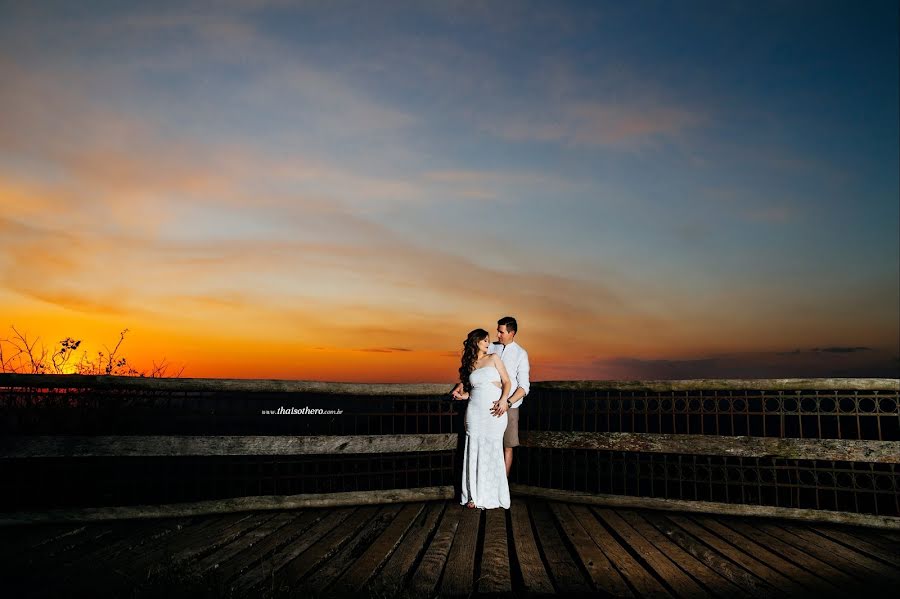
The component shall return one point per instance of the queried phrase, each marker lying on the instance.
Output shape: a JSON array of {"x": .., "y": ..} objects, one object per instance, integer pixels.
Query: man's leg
[{"x": 510, "y": 437}]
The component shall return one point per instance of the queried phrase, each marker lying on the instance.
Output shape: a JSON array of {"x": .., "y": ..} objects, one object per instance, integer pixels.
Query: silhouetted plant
[{"x": 21, "y": 355}]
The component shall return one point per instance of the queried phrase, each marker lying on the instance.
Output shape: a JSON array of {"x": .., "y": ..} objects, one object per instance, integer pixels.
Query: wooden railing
[{"x": 88, "y": 447}]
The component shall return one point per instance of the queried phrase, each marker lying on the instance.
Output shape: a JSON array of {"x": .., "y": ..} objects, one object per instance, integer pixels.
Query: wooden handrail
[
  {"x": 709, "y": 507},
  {"x": 883, "y": 452},
  {"x": 75, "y": 381},
  {"x": 18, "y": 447},
  {"x": 41, "y": 446}
]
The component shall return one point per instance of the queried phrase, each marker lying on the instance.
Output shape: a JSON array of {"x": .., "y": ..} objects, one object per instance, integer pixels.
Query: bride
[{"x": 484, "y": 381}]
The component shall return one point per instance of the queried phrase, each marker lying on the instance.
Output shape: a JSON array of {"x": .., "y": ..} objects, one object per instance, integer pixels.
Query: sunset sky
[{"x": 341, "y": 191}]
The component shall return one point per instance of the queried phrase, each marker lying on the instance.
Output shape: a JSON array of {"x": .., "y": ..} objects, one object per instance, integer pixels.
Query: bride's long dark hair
[{"x": 469, "y": 356}]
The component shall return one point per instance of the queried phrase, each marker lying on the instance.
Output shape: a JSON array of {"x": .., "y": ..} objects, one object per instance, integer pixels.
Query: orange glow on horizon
[{"x": 208, "y": 355}]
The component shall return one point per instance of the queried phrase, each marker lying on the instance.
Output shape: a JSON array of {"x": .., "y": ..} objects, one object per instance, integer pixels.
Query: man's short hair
[{"x": 509, "y": 322}]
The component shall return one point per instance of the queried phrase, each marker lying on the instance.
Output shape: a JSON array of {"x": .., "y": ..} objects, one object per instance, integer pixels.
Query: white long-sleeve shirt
[{"x": 515, "y": 358}]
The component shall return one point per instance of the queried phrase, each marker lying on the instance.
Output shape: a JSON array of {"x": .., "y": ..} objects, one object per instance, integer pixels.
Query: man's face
[{"x": 505, "y": 337}]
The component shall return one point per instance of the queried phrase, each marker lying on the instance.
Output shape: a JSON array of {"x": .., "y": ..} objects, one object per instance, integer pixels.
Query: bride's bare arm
[{"x": 506, "y": 384}]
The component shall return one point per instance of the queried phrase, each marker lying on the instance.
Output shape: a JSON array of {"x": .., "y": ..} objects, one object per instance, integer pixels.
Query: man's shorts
[{"x": 511, "y": 436}]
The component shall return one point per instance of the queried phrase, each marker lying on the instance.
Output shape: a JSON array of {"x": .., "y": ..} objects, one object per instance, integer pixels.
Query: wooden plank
[
  {"x": 459, "y": 573},
  {"x": 885, "y": 452},
  {"x": 760, "y": 549},
  {"x": 80, "y": 381},
  {"x": 877, "y": 537},
  {"x": 642, "y": 581},
  {"x": 891, "y": 536},
  {"x": 188, "y": 539},
  {"x": 390, "y": 580},
  {"x": 129, "y": 570},
  {"x": 328, "y": 572},
  {"x": 16, "y": 538},
  {"x": 680, "y": 583},
  {"x": 823, "y": 384},
  {"x": 89, "y": 569},
  {"x": 378, "y": 552},
  {"x": 265, "y": 571},
  {"x": 424, "y": 581},
  {"x": 832, "y": 553},
  {"x": 58, "y": 548},
  {"x": 535, "y": 578},
  {"x": 709, "y": 578},
  {"x": 205, "y": 542},
  {"x": 172, "y": 385},
  {"x": 708, "y": 507},
  {"x": 599, "y": 568},
  {"x": 231, "y": 505},
  {"x": 131, "y": 537},
  {"x": 815, "y": 566},
  {"x": 160, "y": 546},
  {"x": 563, "y": 567},
  {"x": 42, "y": 446},
  {"x": 704, "y": 547},
  {"x": 769, "y": 566},
  {"x": 223, "y": 556},
  {"x": 31, "y": 568},
  {"x": 251, "y": 556},
  {"x": 495, "y": 567},
  {"x": 324, "y": 548},
  {"x": 859, "y": 543}
]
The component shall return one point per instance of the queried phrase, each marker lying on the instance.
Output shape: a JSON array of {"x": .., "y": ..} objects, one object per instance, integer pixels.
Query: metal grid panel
[
  {"x": 53, "y": 482},
  {"x": 855, "y": 487},
  {"x": 809, "y": 414},
  {"x": 124, "y": 412}
]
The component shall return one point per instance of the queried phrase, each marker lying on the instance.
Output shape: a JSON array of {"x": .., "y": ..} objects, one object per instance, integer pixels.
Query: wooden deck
[{"x": 442, "y": 549}]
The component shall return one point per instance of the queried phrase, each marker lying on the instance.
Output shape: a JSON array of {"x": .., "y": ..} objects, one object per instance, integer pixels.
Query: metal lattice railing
[
  {"x": 826, "y": 445},
  {"x": 805, "y": 414},
  {"x": 855, "y": 487}
]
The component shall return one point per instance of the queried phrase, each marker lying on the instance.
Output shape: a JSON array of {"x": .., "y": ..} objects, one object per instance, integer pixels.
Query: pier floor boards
[{"x": 440, "y": 548}]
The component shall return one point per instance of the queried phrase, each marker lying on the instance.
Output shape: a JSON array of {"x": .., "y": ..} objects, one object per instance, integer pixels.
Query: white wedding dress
[{"x": 484, "y": 468}]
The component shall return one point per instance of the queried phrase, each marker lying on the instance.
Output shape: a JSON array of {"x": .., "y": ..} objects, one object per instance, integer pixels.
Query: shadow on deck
[{"x": 442, "y": 549}]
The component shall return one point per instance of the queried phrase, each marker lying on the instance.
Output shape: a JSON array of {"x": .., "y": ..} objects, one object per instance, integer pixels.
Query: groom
[{"x": 515, "y": 358}]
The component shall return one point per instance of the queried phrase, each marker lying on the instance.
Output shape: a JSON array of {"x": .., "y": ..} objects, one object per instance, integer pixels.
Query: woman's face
[{"x": 484, "y": 344}]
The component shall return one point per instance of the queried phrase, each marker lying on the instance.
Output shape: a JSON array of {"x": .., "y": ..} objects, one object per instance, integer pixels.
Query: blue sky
[{"x": 637, "y": 182}]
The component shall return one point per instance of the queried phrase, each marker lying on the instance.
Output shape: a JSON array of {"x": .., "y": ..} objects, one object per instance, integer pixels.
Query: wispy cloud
[
  {"x": 801, "y": 364},
  {"x": 598, "y": 124},
  {"x": 354, "y": 181}
]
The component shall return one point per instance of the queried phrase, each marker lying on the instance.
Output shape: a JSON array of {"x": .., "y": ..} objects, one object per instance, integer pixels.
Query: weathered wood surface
[
  {"x": 885, "y": 452},
  {"x": 171, "y": 385},
  {"x": 426, "y": 575},
  {"x": 535, "y": 579},
  {"x": 364, "y": 567},
  {"x": 495, "y": 566},
  {"x": 75, "y": 381},
  {"x": 459, "y": 573},
  {"x": 225, "y": 506},
  {"x": 389, "y": 581},
  {"x": 666, "y": 567},
  {"x": 42, "y": 446},
  {"x": 560, "y": 563},
  {"x": 601, "y": 571},
  {"x": 848, "y": 384},
  {"x": 408, "y": 550},
  {"x": 708, "y": 507}
]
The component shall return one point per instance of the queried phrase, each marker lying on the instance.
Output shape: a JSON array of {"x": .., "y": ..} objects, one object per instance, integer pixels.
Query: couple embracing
[{"x": 494, "y": 378}]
